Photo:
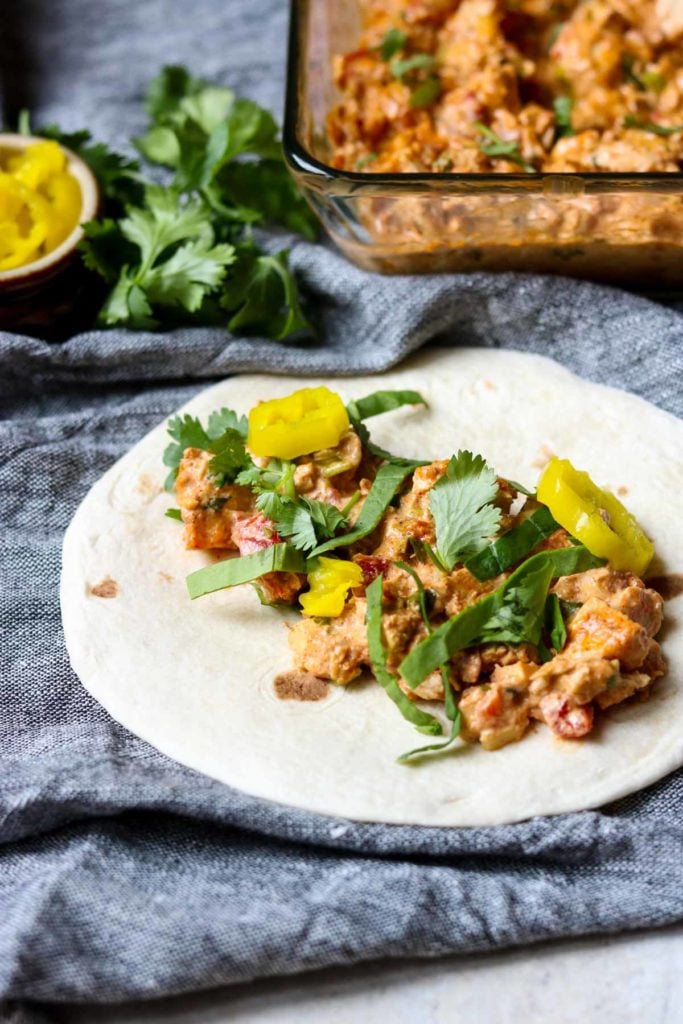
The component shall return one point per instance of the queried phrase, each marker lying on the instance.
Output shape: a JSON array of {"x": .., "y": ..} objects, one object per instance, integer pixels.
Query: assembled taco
[{"x": 402, "y": 579}]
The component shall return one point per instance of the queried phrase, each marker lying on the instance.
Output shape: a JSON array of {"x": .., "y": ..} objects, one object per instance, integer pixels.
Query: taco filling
[{"x": 479, "y": 606}]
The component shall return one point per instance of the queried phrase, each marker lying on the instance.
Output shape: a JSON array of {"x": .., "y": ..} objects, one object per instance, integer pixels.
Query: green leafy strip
[
  {"x": 385, "y": 485},
  {"x": 650, "y": 126},
  {"x": 382, "y": 401},
  {"x": 471, "y": 625},
  {"x": 461, "y": 504},
  {"x": 234, "y": 571},
  {"x": 382, "y": 453},
  {"x": 496, "y": 147},
  {"x": 422, "y": 721},
  {"x": 174, "y": 513},
  {"x": 451, "y": 707},
  {"x": 513, "y": 545}
]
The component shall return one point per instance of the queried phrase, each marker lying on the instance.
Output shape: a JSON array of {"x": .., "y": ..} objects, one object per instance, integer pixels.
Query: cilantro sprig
[
  {"x": 183, "y": 252},
  {"x": 461, "y": 503},
  {"x": 304, "y": 522},
  {"x": 223, "y": 436}
]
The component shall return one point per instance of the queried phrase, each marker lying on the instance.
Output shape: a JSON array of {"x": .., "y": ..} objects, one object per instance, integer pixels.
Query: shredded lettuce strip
[
  {"x": 513, "y": 545},
  {"x": 422, "y": 721},
  {"x": 233, "y": 571},
  {"x": 451, "y": 707},
  {"x": 385, "y": 485},
  {"x": 469, "y": 627}
]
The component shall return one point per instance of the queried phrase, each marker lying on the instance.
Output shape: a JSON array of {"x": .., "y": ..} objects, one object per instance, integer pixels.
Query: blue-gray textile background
[{"x": 122, "y": 873}]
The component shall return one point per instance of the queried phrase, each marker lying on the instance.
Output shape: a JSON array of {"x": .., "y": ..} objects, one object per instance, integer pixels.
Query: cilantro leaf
[
  {"x": 184, "y": 253},
  {"x": 262, "y": 296},
  {"x": 277, "y": 476},
  {"x": 230, "y": 455},
  {"x": 118, "y": 175},
  {"x": 327, "y": 519},
  {"x": 461, "y": 505},
  {"x": 562, "y": 106},
  {"x": 105, "y": 250},
  {"x": 267, "y": 189},
  {"x": 494, "y": 146},
  {"x": 304, "y": 522},
  {"x": 224, "y": 437},
  {"x": 291, "y": 520},
  {"x": 167, "y": 89},
  {"x": 178, "y": 264},
  {"x": 521, "y": 615},
  {"x": 223, "y": 418},
  {"x": 186, "y": 432}
]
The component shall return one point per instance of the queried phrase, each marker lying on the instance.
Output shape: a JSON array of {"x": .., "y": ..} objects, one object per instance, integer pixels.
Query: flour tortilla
[{"x": 195, "y": 679}]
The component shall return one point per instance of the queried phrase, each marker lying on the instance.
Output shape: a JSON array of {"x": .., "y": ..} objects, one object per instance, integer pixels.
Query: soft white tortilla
[{"x": 195, "y": 678}]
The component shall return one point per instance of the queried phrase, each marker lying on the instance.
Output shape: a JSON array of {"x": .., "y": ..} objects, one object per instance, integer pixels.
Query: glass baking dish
[{"x": 625, "y": 228}]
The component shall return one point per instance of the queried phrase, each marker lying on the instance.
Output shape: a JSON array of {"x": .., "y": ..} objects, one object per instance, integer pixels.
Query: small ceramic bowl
[{"x": 41, "y": 297}]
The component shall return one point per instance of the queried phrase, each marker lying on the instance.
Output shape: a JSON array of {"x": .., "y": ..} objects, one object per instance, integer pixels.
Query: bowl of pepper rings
[{"x": 46, "y": 194}]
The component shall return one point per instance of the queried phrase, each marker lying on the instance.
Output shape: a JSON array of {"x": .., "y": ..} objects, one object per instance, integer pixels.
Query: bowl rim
[
  {"x": 90, "y": 196},
  {"x": 319, "y": 174}
]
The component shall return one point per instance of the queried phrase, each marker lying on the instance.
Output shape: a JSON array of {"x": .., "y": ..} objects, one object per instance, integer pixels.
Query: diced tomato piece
[
  {"x": 254, "y": 533},
  {"x": 371, "y": 566}
]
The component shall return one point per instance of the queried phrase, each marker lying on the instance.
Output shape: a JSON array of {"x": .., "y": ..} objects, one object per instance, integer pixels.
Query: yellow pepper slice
[
  {"x": 64, "y": 196},
  {"x": 330, "y": 582},
  {"x": 38, "y": 163},
  {"x": 40, "y": 204},
  {"x": 303, "y": 422},
  {"x": 595, "y": 517}
]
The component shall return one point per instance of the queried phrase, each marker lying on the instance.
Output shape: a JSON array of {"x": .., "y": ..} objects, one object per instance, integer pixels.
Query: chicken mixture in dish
[
  {"x": 478, "y": 606},
  {"x": 470, "y": 86}
]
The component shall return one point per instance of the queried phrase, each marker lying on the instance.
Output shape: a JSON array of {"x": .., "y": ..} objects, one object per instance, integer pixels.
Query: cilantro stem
[{"x": 351, "y": 503}]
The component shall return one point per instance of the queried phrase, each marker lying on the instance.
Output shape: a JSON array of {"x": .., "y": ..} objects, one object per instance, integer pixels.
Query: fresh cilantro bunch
[{"x": 183, "y": 252}]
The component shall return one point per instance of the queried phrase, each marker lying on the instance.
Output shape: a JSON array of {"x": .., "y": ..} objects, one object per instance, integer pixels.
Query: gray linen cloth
[{"x": 126, "y": 875}]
